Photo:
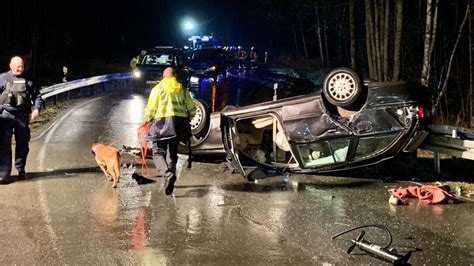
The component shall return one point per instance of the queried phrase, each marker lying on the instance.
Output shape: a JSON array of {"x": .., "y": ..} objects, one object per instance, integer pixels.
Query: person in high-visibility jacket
[
  {"x": 137, "y": 59},
  {"x": 168, "y": 110}
]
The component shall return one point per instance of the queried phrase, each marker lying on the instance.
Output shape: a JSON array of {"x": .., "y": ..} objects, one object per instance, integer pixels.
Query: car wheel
[
  {"x": 342, "y": 87},
  {"x": 201, "y": 120}
]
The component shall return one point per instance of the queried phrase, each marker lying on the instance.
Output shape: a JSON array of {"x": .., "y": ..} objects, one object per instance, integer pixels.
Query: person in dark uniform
[
  {"x": 241, "y": 56},
  {"x": 253, "y": 58},
  {"x": 19, "y": 100}
]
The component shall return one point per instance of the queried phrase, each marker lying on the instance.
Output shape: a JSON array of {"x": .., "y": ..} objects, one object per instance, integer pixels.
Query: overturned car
[{"x": 348, "y": 125}]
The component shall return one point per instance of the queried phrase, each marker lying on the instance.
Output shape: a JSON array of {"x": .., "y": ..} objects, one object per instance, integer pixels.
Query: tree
[
  {"x": 398, "y": 38},
  {"x": 369, "y": 39},
  {"x": 318, "y": 35},
  {"x": 352, "y": 33},
  {"x": 471, "y": 61},
  {"x": 453, "y": 52},
  {"x": 430, "y": 36}
]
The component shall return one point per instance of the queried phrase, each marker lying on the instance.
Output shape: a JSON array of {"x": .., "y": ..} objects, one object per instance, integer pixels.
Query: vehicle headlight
[
  {"x": 194, "y": 79},
  {"x": 212, "y": 68},
  {"x": 137, "y": 74}
]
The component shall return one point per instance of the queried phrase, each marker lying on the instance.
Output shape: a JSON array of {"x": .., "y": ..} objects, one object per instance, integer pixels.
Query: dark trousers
[
  {"x": 253, "y": 64},
  {"x": 160, "y": 148},
  {"x": 242, "y": 63},
  {"x": 13, "y": 126}
]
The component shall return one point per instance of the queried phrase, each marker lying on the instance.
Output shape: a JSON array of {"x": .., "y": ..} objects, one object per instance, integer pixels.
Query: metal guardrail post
[
  {"x": 437, "y": 162},
  {"x": 456, "y": 142}
]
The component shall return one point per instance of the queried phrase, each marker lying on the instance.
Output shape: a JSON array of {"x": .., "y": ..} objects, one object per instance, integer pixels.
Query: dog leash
[
  {"x": 143, "y": 144},
  {"x": 118, "y": 139}
]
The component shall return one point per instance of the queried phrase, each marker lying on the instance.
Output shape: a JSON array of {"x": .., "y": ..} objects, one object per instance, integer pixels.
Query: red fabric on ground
[{"x": 427, "y": 194}]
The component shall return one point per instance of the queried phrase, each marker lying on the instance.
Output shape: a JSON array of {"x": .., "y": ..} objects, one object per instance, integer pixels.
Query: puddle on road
[{"x": 206, "y": 218}]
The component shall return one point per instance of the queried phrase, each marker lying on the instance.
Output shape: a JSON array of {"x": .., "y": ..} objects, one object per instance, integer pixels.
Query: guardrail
[
  {"x": 454, "y": 141},
  {"x": 86, "y": 86}
]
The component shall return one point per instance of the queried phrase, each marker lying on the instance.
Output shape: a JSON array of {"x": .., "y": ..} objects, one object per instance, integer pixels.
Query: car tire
[
  {"x": 342, "y": 87},
  {"x": 201, "y": 120}
]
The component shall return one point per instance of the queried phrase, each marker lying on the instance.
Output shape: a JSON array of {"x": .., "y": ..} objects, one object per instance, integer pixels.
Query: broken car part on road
[{"x": 384, "y": 253}]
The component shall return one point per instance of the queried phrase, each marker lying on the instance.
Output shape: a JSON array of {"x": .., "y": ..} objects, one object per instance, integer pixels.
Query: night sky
[
  {"x": 114, "y": 31},
  {"x": 107, "y": 27}
]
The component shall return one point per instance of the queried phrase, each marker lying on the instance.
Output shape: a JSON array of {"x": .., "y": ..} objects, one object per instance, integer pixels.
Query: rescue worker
[
  {"x": 18, "y": 100},
  {"x": 253, "y": 58},
  {"x": 241, "y": 56},
  {"x": 168, "y": 110},
  {"x": 137, "y": 59}
]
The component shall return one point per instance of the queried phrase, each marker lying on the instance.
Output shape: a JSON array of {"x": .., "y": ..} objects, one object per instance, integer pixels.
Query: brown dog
[{"x": 108, "y": 159}]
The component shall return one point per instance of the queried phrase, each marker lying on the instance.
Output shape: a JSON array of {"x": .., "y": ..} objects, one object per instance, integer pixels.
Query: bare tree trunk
[
  {"x": 352, "y": 33},
  {"x": 424, "y": 72},
  {"x": 369, "y": 38},
  {"x": 433, "y": 37},
  {"x": 318, "y": 34},
  {"x": 326, "y": 39},
  {"x": 448, "y": 72},
  {"x": 429, "y": 40},
  {"x": 398, "y": 37},
  {"x": 471, "y": 65},
  {"x": 378, "y": 61},
  {"x": 303, "y": 38},
  {"x": 385, "y": 41},
  {"x": 296, "y": 41}
]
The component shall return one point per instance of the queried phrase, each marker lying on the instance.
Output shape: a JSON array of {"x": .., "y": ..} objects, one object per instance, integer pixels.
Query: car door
[{"x": 270, "y": 135}]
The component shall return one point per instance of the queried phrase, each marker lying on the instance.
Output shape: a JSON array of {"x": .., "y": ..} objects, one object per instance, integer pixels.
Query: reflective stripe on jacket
[{"x": 168, "y": 98}]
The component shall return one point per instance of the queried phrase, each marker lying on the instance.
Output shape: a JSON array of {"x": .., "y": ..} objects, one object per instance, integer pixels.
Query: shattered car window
[
  {"x": 263, "y": 139},
  {"x": 323, "y": 153},
  {"x": 371, "y": 145}
]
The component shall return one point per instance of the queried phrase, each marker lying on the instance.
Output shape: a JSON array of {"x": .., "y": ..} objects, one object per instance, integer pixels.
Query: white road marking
[{"x": 40, "y": 184}]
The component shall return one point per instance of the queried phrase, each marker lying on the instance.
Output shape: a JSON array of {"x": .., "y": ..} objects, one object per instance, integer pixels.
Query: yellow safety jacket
[
  {"x": 134, "y": 62},
  {"x": 168, "y": 98}
]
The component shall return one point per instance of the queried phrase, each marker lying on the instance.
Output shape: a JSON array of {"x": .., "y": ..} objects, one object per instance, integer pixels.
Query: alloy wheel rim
[{"x": 342, "y": 87}]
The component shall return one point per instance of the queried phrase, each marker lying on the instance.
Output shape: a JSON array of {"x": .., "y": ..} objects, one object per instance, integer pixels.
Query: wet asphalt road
[{"x": 67, "y": 212}]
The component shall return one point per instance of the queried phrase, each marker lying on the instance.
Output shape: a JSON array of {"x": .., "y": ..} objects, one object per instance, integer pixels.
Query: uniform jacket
[
  {"x": 169, "y": 109},
  {"x": 242, "y": 54},
  {"x": 33, "y": 93}
]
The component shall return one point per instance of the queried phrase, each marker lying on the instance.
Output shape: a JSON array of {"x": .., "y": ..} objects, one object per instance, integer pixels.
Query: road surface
[{"x": 66, "y": 212}]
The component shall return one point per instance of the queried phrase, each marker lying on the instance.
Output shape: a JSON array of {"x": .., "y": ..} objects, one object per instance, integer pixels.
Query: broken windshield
[{"x": 321, "y": 153}]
